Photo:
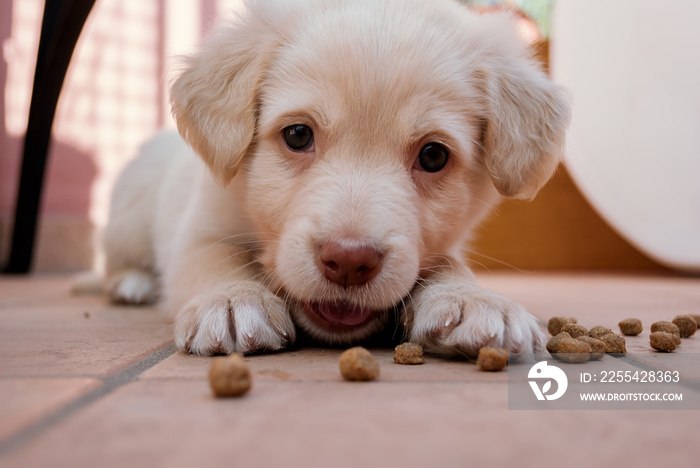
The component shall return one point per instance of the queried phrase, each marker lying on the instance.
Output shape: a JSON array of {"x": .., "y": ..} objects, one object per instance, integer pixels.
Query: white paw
[
  {"x": 245, "y": 317},
  {"x": 453, "y": 318},
  {"x": 132, "y": 287}
]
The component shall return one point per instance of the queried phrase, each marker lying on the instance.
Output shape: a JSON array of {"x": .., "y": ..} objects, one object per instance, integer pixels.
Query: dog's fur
[{"x": 231, "y": 239}]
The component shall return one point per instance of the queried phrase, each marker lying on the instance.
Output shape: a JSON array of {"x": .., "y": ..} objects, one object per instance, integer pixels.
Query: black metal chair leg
[{"x": 61, "y": 25}]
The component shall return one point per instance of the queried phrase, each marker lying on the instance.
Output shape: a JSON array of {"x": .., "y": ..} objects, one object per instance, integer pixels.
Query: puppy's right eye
[{"x": 298, "y": 138}]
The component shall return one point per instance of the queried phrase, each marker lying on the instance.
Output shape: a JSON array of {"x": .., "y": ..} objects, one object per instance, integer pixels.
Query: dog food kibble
[
  {"x": 614, "y": 343},
  {"x": 631, "y": 327},
  {"x": 358, "y": 364},
  {"x": 229, "y": 375},
  {"x": 492, "y": 359},
  {"x": 662, "y": 341},
  {"x": 574, "y": 329},
  {"x": 696, "y": 317},
  {"x": 597, "y": 332},
  {"x": 553, "y": 343},
  {"x": 667, "y": 327},
  {"x": 686, "y": 325},
  {"x": 408, "y": 353},
  {"x": 555, "y": 323},
  {"x": 568, "y": 349},
  {"x": 572, "y": 350},
  {"x": 597, "y": 347}
]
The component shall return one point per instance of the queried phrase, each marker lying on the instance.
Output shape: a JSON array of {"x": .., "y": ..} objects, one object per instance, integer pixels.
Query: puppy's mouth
[{"x": 338, "y": 316}]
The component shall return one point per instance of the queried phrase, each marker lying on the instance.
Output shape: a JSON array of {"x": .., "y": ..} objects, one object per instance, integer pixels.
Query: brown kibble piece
[
  {"x": 667, "y": 327},
  {"x": 358, "y": 364},
  {"x": 686, "y": 325},
  {"x": 408, "y": 353},
  {"x": 492, "y": 359},
  {"x": 574, "y": 329},
  {"x": 598, "y": 332},
  {"x": 631, "y": 327},
  {"x": 561, "y": 347},
  {"x": 662, "y": 341},
  {"x": 553, "y": 342},
  {"x": 572, "y": 350},
  {"x": 229, "y": 376},
  {"x": 614, "y": 343},
  {"x": 696, "y": 317},
  {"x": 597, "y": 346},
  {"x": 555, "y": 323}
]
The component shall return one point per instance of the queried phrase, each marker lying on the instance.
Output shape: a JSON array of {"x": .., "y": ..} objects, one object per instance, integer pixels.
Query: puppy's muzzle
[{"x": 349, "y": 260}]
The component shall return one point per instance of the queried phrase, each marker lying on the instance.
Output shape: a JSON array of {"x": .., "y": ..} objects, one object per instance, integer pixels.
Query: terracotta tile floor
[{"x": 86, "y": 384}]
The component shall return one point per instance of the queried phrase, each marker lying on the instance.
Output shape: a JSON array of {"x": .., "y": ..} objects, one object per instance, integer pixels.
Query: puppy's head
[{"x": 372, "y": 136}]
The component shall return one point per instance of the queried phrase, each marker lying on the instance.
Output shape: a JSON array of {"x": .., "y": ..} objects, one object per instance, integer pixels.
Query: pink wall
[
  {"x": 112, "y": 99},
  {"x": 92, "y": 106},
  {"x": 7, "y": 148},
  {"x": 70, "y": 171}
]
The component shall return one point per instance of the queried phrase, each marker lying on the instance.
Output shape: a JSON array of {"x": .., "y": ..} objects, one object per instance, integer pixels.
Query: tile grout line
[{"x": 110, "y": 384}]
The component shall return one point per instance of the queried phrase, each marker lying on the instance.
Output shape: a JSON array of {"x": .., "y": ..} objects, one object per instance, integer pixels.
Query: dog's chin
[{"x": 338, "y": 322}]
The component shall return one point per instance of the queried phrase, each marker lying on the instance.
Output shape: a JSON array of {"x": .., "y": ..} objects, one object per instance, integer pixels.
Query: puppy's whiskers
[
  {"x": 248, "y": 237},
  {"x": 232, "y": 256},
  {"x": 241, "y": 268},
  {"x": 436, "y": 272},
  {"x": 500, "y": 262}
]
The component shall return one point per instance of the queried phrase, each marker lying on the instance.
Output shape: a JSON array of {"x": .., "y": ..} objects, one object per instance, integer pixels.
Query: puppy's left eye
[
  {"x": 298, "y": 137},
  {"x": 432, "y": 158}
]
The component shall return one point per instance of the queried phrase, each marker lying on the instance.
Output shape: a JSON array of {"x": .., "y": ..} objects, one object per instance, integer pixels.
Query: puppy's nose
[{"x": 349, "y": 261}]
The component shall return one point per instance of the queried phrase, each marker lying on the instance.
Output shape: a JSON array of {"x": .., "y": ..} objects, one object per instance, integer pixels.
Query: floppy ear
[
  {"x": 214, "y": 99},
  {"x": 525, "y": 114}
]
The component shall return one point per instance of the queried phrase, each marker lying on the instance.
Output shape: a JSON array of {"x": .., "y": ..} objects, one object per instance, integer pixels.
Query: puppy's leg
[
  {"x": 127, "y": 240},
  {"x": 131, "y": 286},
  {"x": 222, "y": 305},
  {"x": 450, "y": 315}
]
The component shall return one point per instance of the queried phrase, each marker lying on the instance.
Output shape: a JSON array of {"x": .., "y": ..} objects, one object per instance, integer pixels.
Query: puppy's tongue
[{"x": 343, "y": 313}]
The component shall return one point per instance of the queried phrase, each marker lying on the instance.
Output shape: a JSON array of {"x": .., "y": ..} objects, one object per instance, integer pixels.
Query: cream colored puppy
[{"x": 347, "y": 151}]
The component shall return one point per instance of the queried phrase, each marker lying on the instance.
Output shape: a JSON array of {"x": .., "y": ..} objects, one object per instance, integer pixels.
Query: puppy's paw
[
  {"x": 134, "y": 287},
  {"x": 457, "y": 318},
  {"x": 245, "y": 317}
]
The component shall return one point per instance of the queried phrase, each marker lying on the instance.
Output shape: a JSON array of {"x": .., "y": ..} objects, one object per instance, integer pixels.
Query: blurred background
[{"x": 115, "y": 97}]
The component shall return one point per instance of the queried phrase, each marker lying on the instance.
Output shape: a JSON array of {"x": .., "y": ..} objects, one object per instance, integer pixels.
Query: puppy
[{"x": 347, "y": 151}]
